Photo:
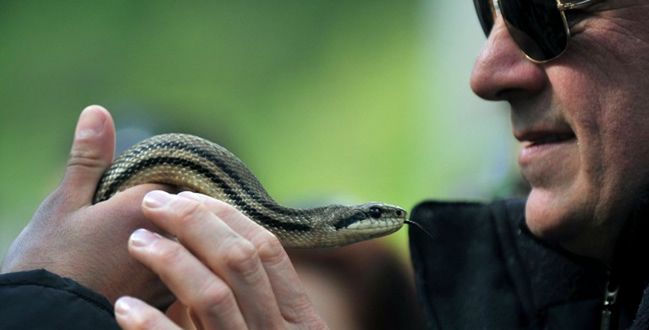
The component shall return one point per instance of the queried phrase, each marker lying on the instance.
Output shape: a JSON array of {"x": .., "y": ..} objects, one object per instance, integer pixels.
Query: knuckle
[
  {"x": 302, "y": 312},
  {"x": 269, "y": 247},
  {"x": 215, "y": 295},
  {"x": 188, "y": 211},
  {"x": 241, "y": 256},
  {"x": 168, "y": 253},
  {"x": 85, "y": 157},
  {"x": 224, "y": 210}
]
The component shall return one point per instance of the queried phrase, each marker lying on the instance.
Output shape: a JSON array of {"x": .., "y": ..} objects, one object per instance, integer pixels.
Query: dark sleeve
[{"x": 39, "y": 299}]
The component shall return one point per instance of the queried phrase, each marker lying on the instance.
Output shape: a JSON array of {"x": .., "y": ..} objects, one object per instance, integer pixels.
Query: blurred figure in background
[{"x": 361, "y": 286}]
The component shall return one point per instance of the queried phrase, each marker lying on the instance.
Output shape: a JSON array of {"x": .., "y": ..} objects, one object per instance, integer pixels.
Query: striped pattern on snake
[{"x": 193, "y": 163}]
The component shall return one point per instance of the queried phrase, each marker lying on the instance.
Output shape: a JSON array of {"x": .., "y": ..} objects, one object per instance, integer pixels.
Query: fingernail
[
  {"x": 192, "y": 195},
  {"x": 91, "y": 122},
  {"x": 128, "y": 307},
  {"x": 124, "y": 305},
  {"x": 156, "y": 198},
  {"x": 142, "y": 238}
]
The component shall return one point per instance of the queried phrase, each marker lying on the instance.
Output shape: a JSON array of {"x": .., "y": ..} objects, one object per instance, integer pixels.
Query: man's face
[{"x": 582, "y": 119}]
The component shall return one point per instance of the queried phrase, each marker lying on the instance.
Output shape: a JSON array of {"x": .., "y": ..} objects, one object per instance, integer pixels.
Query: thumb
[{"x": 91, "y": 154}]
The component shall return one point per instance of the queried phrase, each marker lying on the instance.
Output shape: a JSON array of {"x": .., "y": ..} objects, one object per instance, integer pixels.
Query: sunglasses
[{"x": 539, "y": 27}]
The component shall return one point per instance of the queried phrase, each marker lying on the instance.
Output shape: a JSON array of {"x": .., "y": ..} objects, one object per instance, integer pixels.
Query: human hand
[
  {"x": 226, "y": 271},
  {"x": 87, "y": 243}
]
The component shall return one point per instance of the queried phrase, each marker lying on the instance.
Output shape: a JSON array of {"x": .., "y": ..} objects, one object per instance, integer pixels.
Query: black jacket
[
  {"x": 478, "y": 267},
  {"x": 41, "y": 300}
]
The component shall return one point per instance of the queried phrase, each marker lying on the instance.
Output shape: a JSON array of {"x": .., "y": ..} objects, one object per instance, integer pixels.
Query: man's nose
[{"x": 502, "y": 71}]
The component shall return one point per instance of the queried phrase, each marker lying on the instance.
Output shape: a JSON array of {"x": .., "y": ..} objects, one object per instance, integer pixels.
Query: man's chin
[
  {"x": 551, "y": 219},
  {"x": 570, "y": 224}
]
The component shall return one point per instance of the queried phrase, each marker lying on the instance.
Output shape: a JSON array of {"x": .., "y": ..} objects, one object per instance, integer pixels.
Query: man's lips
[
  {"x": 543, "y": 145},
  {"x": 536, "y": 139}
]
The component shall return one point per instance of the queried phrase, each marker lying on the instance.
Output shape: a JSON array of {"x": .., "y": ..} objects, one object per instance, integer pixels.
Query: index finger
[
  {"x": 291, "y": 296},
  {"x": 231, "y": 256}
]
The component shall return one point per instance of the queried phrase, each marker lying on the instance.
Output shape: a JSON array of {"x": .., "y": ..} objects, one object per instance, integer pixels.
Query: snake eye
[{"x": 375, "y": 212}]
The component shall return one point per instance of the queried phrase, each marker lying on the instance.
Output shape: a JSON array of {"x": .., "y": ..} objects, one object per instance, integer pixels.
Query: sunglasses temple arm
[{"x": 563, "y": 6}]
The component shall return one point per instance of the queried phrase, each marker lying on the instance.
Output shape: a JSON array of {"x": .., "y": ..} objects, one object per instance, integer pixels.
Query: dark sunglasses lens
[
  {"x": 537, "y": 26},
  {"x": 485, "y": 15}
]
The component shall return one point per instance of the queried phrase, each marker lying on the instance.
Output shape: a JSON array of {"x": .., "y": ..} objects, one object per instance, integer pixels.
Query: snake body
[{"x": 199, "y": 165}]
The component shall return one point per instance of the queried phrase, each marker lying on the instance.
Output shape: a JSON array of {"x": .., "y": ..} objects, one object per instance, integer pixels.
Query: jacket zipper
[{"x": 610, "y": 296}]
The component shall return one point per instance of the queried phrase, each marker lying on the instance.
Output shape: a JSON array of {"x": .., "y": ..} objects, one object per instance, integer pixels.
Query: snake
[{"x": 196, "y": 164}]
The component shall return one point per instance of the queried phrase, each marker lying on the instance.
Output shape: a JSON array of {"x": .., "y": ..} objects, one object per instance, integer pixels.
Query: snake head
[{"x": 365, "y": 221}]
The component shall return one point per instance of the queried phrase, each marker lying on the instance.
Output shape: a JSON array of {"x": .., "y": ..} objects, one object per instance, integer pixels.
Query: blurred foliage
[{"x": 322, "y": 99}]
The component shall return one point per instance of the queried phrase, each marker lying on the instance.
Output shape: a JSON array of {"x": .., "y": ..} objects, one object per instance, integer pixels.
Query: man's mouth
[
  {"x": 544, "y": 145},
  {"x": 532, "y": 140}
]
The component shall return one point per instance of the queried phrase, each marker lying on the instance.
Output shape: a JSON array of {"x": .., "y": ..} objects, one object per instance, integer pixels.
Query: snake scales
[{"x": 193, "y": 163}]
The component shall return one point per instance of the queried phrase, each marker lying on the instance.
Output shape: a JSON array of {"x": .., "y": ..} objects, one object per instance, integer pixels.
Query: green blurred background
[{"x": 364, "y": 100}]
